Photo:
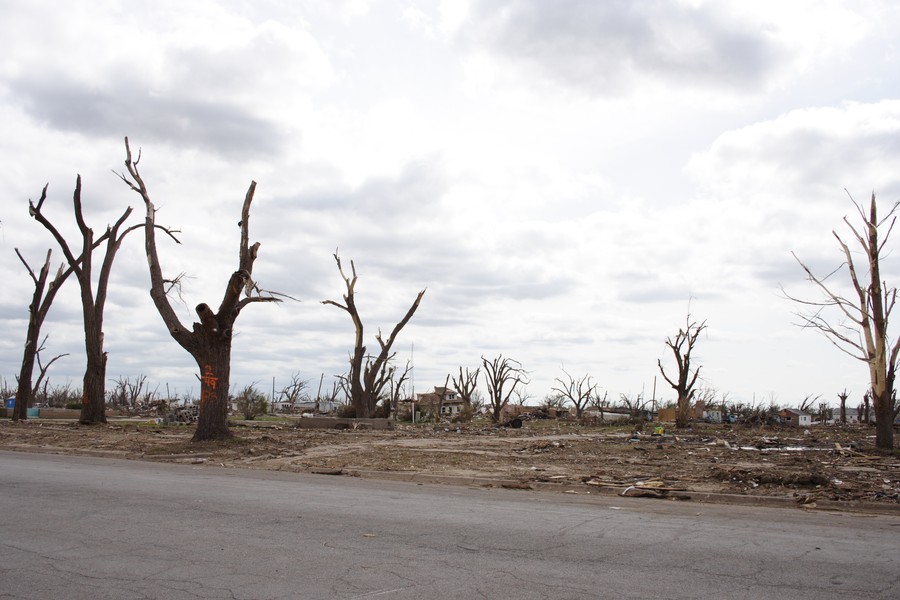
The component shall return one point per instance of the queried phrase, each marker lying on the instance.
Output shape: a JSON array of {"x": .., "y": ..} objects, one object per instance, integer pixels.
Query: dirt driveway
[{"x": 807, "y": 466}]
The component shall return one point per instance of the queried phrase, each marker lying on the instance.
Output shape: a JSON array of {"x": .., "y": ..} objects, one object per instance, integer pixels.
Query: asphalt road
[{"x": 75, "y": 527}]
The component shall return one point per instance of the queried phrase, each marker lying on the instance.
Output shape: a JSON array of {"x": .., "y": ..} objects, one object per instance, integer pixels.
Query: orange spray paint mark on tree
[{"x": 209, "y": 381}]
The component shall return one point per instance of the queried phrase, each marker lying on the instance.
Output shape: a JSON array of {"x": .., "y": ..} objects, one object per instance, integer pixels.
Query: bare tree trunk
[
  {"x": 884, "y": 419},
  {"x": 23, "y": 390},
  {"x": 209, "y": 340},
  {"x": 843, "y": 398},
  {"x": 500, "y": 373},
  {"x": 94, "y": 401},
  {"x": 37, "y": 310},
  {"x": 682, "y": 345},
  {"x": 859, "y": 326},
  {"x": 93, "y": 409},
  {"x": 368, "y": 375}
]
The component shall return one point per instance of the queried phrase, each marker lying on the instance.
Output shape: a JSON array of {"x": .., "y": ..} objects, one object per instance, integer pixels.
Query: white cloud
[
  {"x": 793, "y": 168},
  {"x": 702, "y": 50}
]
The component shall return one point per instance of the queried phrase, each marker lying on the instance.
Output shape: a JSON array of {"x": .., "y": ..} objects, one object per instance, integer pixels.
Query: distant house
[
  {"x": 795, "y": 418},
  {"x": 306, "y": 406},
  {"x": 442, "y": 399},
  {"x": 852, "y": 415}
]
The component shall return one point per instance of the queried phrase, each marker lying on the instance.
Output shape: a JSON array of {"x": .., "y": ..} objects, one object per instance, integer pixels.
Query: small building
[
  {"x": 852, "y": 415},
  {"x": 712, "y": 416},
  {"x": 795, "y": 418}
]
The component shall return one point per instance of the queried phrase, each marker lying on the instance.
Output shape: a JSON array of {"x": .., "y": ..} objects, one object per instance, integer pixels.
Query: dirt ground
[{"x": 806, "y": 465}]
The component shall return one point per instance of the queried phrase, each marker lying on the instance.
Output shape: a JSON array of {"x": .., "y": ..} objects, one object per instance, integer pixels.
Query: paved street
[{"x": 75, "y": 527}]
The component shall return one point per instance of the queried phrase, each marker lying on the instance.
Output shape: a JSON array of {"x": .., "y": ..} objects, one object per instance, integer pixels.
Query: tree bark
[
  {"x": 215, "y": 369},
  {"x": 93, "y": 409}
]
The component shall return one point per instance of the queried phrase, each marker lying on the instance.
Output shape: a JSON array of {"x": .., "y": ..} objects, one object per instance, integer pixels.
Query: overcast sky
[{"x": 567, "y": 179}]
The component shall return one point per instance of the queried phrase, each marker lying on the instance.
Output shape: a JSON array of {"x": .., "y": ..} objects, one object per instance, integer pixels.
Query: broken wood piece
[{"x": 325, "y": 471}]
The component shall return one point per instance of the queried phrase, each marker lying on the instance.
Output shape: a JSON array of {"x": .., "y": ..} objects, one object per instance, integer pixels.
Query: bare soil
[{"x": 834, "y": 463}]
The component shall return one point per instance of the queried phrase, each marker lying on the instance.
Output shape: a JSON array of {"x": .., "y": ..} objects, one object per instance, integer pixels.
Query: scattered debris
[{"x": 834, "y": 464}]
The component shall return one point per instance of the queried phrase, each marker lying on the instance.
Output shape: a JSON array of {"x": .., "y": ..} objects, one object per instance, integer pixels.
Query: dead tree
[
  {"x": 128, "y": 394},
  {"x": 521, "y": 396},
  {"x": 682, "y": 345},
  {"x": 37, "y": 312},
  {"x": 368, "y": 375},
  {"x": 209, "y": 340},
  {"x": 858, "y": 325},
  {"x": 600, "y": 403},
  {"x": 502, "y": 375},
  {"x": 466, "y": 386},
  {"x": 843, "y": 399},
  {"x": 295, "y": 391},
  {"x": 636, "y": 406},
  {"x": 395, "y": 389},
  {"x": 93, "y": 408},
  {"x": 806, "y": 405},
  {"x": 43, "y": 368},
  {"x": 577, "y": 391}
]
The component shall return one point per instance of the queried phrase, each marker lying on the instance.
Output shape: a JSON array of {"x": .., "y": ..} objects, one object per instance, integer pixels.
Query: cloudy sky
[{"x": 567, "y": 179}]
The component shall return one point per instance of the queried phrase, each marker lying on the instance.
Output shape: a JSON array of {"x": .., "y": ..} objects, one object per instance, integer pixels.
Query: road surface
[{"x": 77, "y": 527}]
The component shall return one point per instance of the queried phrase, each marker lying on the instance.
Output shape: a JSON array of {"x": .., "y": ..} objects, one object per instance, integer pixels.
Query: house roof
[{"x": 795, "y": 412}]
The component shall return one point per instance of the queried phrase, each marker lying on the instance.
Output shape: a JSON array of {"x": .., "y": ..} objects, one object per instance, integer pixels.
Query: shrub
[
  {"x": 345, "y": 411},
  {"x": 73, "y": 405},
  {"x": 251, "y": 402},
  {"x": 465, "y": 415}
]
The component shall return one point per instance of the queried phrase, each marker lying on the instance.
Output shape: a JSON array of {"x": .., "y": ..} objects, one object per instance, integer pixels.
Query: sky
[{"x": 568, "y": 180}]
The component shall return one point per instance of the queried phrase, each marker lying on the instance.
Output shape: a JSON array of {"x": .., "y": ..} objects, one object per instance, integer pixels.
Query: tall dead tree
[
  {"x": 37, "y": 312},
  {"x": 368, "y": 374},
  {"x": 502, "y": 376},
  {"x": 682, "y": 345},
  {"x": 858, "y": 325},
  {"x": 577, "y": 391},
  {"x": 209, "y": 340},
  {"x": 93, "y": 408}
]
